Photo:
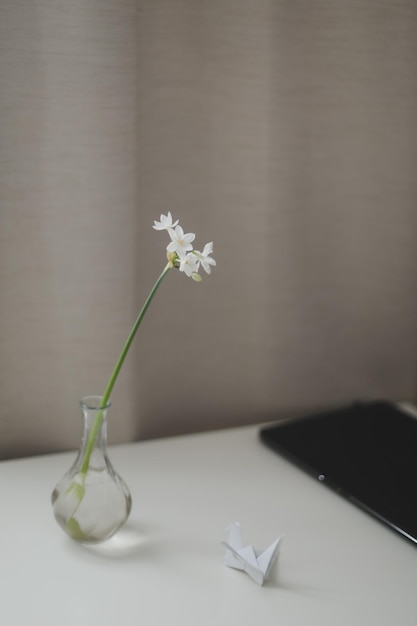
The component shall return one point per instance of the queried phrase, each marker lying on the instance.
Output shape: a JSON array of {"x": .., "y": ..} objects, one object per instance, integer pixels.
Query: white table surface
[{"x": 337, "y": 567}]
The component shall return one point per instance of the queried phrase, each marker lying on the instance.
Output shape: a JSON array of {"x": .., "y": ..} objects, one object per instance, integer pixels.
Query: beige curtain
[{"x": 282, "y": 130}]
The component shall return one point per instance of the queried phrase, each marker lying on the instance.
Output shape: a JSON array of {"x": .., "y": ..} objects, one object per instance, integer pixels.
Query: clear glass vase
[{"x": 91, "y": 501}]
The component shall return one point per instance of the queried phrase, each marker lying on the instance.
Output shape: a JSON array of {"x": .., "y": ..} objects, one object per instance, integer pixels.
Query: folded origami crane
[{"x": 256, "y": 564}]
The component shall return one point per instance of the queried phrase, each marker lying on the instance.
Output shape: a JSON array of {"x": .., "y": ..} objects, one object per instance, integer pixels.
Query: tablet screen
[{"x": 367, "y": 452}]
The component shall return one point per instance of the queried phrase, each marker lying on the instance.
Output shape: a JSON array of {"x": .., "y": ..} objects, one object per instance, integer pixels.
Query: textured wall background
[{"x": 283, "y": 131}]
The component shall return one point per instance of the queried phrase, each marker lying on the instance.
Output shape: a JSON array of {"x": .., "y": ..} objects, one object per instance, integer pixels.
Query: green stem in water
[{"x": 115, "y": 373}]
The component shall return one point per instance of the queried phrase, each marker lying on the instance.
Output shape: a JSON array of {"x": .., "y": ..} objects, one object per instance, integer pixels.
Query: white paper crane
[{"x": 256, "y": 564}]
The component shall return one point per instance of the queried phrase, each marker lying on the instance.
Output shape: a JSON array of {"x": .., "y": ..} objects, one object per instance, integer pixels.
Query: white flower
[
  {"x": 189, "y": 264},
  {"x": 165, "y": 223},
  {"x": 180, "y": 243},
  {"x": 204, "y": 257}
]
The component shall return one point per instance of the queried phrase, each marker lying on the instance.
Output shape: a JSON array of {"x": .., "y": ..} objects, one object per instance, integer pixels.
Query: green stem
[{"x": 115, "y": 373}]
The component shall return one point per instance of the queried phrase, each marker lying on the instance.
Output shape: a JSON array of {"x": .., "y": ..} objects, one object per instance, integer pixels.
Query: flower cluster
[{"x": 180, "y": 251}]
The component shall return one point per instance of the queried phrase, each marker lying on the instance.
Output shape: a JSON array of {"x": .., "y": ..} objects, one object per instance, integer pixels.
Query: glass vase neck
[{"x": 94, "y": 427}]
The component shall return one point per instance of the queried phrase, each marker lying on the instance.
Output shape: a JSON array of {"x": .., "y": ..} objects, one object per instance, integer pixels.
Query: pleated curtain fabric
[{"x": 284, "y": 131}]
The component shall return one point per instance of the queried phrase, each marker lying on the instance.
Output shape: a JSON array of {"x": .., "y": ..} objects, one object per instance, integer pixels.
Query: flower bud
[{"x": 172, "y": 257}]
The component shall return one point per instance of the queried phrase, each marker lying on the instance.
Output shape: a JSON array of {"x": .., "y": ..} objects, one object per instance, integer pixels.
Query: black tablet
[{"x": 367, "y": 452}]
